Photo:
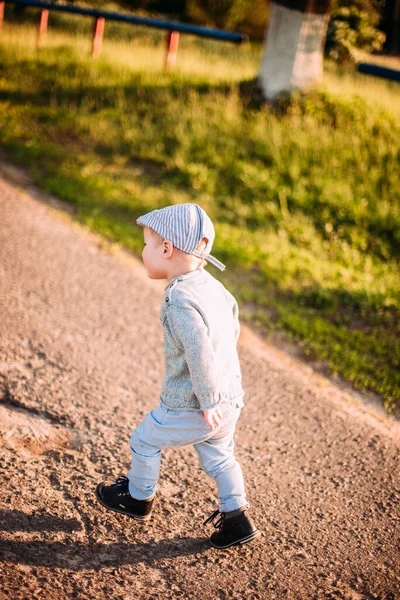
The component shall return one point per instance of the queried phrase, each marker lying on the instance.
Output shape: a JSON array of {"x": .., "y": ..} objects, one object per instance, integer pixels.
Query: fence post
[
  {"x": 97, "y": 39},
  {"x": 1, "y": 14},
  {"x": 172, "y": 49},
  {"x": 44, "y": 18}
]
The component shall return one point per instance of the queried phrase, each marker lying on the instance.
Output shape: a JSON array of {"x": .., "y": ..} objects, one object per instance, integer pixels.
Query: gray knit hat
[{"x": 185, "y": 225}]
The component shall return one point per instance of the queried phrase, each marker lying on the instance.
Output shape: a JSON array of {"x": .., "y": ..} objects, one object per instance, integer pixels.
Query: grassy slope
[{"x": 306, "y": 202}]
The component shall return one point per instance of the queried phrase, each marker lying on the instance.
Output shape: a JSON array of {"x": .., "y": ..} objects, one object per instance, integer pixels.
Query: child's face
[{"x": 153, "y": 255}]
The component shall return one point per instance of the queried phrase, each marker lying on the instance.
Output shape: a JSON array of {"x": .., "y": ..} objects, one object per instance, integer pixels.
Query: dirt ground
[{"x": 81, "y": 361}]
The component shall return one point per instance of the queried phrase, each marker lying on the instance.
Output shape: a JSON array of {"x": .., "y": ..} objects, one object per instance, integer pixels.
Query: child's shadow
[
  {"x": 77, "y": 556},
  {"x": 16, "y": 520}
]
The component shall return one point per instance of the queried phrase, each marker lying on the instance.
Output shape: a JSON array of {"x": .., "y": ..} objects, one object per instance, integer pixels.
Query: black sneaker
[
  {"x": 116, "y": 497},
  {"x": 233, "y": 528}
]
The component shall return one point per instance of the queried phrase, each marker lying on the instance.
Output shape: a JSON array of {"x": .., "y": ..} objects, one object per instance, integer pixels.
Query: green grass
[{"x": 305, "y": 200}]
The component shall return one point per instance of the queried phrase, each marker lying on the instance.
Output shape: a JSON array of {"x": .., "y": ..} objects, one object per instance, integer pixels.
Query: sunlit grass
[{"x": 346, "y": 83}]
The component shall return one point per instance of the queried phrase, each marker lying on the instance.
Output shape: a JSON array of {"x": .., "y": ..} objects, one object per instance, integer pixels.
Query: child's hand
[{"x": 213, "y": 416}]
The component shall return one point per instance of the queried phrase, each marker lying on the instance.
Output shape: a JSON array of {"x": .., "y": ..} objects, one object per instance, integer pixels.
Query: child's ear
[{"x": 168, "y": 248}]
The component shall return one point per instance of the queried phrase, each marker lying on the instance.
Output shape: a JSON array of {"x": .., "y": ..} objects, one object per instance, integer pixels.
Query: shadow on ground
[
  {"x": 77, "y": 556},
  {"x": 16, "y": 520}
]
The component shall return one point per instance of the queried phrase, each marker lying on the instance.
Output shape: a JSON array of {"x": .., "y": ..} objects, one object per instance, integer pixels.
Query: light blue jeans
[{"x": 167, "y": 428}]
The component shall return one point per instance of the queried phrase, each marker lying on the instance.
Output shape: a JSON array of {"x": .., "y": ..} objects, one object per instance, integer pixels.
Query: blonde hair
[{"x": 155, "y": 234}]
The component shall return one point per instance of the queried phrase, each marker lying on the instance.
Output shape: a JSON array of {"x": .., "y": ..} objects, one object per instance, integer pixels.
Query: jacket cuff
[{"x": 210, "y": 402}]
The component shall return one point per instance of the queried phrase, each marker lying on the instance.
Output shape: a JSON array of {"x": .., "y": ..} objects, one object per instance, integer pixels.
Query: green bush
[{"x": 352, "y": 28}]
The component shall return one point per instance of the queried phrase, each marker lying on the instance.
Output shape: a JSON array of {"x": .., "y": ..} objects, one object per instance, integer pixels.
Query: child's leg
[
  {"x": 217, "y": 459},
  {"x": 233, "y": 526},
  {"x": 146, "y": 460}
]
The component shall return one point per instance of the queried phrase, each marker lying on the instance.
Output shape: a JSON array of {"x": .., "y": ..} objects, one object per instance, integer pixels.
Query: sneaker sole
[
  {"x": 122, "y": 512},
  {"x": 245, "y": 540}
]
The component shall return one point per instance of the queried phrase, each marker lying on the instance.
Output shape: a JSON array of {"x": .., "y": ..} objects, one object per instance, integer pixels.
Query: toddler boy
[{"x": 201, "y": 394}]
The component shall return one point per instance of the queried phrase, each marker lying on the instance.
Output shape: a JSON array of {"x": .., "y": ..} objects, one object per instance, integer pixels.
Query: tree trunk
[
  {"x": 391, "y": 26},
  {"x": 293, "y": 50}
]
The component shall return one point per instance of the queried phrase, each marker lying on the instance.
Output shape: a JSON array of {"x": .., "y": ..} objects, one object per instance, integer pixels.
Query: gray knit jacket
[{"x": 201, "y": 328}]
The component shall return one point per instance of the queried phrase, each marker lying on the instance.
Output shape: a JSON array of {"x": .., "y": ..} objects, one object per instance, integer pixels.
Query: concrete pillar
[{"x": 293, "y": 49}]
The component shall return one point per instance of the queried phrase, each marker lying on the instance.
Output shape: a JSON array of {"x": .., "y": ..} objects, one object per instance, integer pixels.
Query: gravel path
[{"x": 81, "y": 361}]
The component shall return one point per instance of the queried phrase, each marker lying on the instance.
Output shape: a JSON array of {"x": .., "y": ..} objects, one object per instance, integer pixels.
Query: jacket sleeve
[{"x": 190, "y": 333}]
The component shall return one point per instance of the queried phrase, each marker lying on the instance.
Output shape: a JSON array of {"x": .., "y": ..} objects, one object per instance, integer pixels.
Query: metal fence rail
[
  {"x": 378, "y": 71},
  {"x": 216, "y": 34}
]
